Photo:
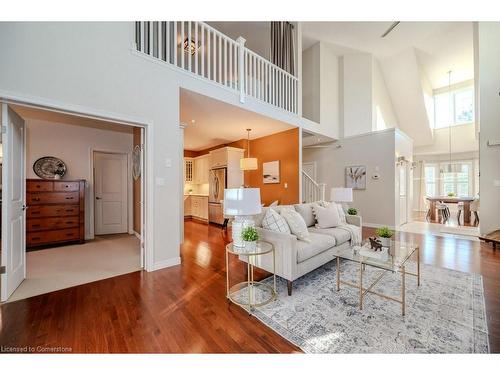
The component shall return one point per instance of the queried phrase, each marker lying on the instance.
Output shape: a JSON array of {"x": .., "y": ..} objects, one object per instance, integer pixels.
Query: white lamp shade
[
  {"x": 340, "y": 194},
  {"x": 248, "y": 164},
  {"x": 242, "y": 202}
]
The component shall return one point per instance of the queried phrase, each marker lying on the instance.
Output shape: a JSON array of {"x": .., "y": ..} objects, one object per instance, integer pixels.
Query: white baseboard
[
  {"x": 166, "y": 263},
  {"x": 373, "y": 225},
  {"x": 137, "y": 234}
]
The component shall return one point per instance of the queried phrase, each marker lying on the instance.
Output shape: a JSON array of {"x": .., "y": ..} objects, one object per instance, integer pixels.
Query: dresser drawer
[
  {"x": 54, "y": 210},
  {"x": 39, "y": 186},
  {"x": 66, "y": 186},
  {"x": 40, "y": 238},
  {"x": 48, "y": 198},
  {"x": 52, "y": 223}
]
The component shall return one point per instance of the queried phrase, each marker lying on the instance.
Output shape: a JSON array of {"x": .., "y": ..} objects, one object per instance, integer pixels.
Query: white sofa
[{"x": 294, "y": 257}]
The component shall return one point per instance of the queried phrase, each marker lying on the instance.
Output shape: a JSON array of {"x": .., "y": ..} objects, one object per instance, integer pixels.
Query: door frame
[
  {"x": 315, "y": 168},
  {"x": 147, "y": 135},
  {"x": 130, "y": 205}
]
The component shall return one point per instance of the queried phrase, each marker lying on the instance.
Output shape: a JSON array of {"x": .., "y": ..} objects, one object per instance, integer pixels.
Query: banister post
[
  {"x": 322, "y": 191},
  {"x": 241, "y": 67}
]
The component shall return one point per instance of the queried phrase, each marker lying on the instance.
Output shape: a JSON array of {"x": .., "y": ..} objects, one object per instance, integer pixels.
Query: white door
[
  {"x": 110, "y": 193},
  {"x": 13, "y": 198},
  {"x": 403, "y": 195}
]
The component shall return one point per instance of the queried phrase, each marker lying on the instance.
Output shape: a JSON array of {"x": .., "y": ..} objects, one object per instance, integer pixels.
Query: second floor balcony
[{"x": 200, "y": 49}]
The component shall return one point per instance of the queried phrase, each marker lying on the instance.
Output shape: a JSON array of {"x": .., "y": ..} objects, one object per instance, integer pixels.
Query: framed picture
[
  {"x": 271, "y": 172},
  {"x": 355, "y": 177}
]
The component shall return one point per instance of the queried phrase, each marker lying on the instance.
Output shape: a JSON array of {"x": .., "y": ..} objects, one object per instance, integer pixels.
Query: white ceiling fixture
[{"x": 248, "y": 163}]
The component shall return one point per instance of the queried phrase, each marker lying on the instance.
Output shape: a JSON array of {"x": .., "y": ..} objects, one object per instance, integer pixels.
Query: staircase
[{"x": 311, "y": 190}]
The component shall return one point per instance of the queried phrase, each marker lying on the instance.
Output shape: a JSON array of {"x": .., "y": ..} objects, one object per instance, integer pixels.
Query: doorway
[{"x": 116, "y": 245}]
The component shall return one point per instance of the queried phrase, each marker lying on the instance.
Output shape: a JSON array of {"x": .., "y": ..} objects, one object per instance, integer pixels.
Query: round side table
[{"x": 257, "y": 293}]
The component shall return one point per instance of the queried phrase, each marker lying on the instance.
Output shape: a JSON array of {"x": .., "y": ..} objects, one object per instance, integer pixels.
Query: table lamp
[
  {"x": 241, "y": 203},
  {"x": 341, "y": 195}
]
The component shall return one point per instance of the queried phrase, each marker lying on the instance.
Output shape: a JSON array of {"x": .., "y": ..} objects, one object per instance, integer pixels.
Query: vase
[
  {"x": 250, "y": 245},
  {"x": 386, "y": 242},
  {"x": 57, "y": 177}
]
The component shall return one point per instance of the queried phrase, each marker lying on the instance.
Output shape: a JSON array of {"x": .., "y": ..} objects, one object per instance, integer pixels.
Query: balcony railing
[{"x": 209, "y": 54}]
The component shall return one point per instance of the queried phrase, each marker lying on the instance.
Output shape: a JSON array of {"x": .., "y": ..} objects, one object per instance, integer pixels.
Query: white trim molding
[{"x": 166, "y": 263}]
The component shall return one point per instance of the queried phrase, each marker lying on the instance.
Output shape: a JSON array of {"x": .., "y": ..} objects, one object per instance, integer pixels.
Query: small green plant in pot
[
  {"x": 384, "y": 236},
  {"x": 250, "y": 236},
  {"x": 352, "y": 211},
  {"x": 451, "y": 194}
]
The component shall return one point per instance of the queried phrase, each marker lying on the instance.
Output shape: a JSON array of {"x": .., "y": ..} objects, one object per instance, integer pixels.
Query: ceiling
[
  {"x": 30, "y": 113},
  {"x": 216, "y": 123},
  {"x": 440, "y": 46}
]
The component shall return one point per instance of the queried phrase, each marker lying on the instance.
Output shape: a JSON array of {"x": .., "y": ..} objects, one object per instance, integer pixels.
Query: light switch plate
[
  {"x": 160, "y": 181},
  {"x": 496, "y": 183},
  {"x": 168, "y": 162}
]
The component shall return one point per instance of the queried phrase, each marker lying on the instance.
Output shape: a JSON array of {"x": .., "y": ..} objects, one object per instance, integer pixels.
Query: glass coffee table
[{"x": 393, "y": 259}]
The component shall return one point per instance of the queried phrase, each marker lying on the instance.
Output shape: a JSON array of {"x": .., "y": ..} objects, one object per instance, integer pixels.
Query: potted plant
[
  {"x": 451, "y": 194},
  {"x": 250, "y": 236},
  {"x": 352, "y": 211},
  {"x": 384, "y": 236}
]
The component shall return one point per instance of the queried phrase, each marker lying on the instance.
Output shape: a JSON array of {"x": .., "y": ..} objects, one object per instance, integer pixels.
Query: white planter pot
[
  {"x": 250, "y": 245},
  {"x": 386, "y": 242}
]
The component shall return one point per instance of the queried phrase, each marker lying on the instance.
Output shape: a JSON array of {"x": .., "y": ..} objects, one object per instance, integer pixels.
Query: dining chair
[
  {"x": 443, "y": 210},
  {"x": 474, "y": 207},
  {"x": 460, "y": 206}
]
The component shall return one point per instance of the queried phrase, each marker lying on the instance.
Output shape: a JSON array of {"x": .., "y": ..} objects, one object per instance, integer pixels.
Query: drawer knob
[{"x": 69, "y": 197}]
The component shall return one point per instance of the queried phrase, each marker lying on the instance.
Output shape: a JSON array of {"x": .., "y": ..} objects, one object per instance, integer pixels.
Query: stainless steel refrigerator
[{"x": 217, "y": 184}]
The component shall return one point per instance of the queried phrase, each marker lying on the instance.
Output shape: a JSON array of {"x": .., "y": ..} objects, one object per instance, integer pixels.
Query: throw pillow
[
  {"x": 327, "y": 217},
  {"x": 343, "y": 220},
  {"x": 297, "y": 224},
  {"x": 305, "y": 210},
  {"x": 273, "y": 221}
]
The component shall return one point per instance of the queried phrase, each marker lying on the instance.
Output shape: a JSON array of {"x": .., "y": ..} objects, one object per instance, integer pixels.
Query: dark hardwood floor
[{"x": 183, "y": 309}]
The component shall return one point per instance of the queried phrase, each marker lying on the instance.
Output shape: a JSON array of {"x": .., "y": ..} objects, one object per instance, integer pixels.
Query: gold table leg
[
  {"x": 338, "y": 274},
  {"x": 361, "y": 286},
  {"x": 227, "y": 276},
  {"x": 248, "y": 287},
  {"x": 403, "y": 290},
  {"x": 418, "y": 266}
]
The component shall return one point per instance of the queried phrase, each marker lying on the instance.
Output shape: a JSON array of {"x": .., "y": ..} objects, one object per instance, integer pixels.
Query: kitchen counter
[{"x": 196, "y": 195}]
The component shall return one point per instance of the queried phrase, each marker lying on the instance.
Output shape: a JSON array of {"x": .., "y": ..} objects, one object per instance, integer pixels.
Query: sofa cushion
[
  {"x": 327, "y": 217},
  {"x": 275, "y": 222},
  {"x": 297, "y": 224},
  {"x": 305, "y": 210},
  {"x": 259, "y": 217},
  {"x": 340, "y": 235},
  {"x": 278, "y": 209},
  {"x": 318, "y": 244}
]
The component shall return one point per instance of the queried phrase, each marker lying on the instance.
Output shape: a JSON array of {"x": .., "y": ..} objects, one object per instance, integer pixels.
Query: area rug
[{"x": 446, "y": 314}]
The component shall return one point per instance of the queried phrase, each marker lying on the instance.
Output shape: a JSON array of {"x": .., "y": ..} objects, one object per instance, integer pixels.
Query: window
[
  {"x": 455, "y": 107},
  {"x": 460, "y": 181},
  {"x": 431, "y": 180},
  {"x": 438, "y": 181}
]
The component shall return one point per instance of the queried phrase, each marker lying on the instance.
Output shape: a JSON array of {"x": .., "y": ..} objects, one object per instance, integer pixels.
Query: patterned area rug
[{"x": 446, "y": 314}]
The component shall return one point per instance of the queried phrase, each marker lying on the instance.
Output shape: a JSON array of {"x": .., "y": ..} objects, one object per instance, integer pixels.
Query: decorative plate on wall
[
  {"x": 136, "y": 162},
  {"x": 49, "y": 167}
]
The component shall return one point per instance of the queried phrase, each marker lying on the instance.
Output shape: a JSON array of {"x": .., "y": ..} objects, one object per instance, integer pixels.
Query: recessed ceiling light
[{"x": 193, "y": 121}]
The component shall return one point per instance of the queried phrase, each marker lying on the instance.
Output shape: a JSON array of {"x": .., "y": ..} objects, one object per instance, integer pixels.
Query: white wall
[
  {"x": 376, "y": 203},
  {"x": 357, "y": 94},
  {"x": 489, "y": 88},
  {"x": 403, "y": 146},
  {"x": 90, "y": 67},
  {"x": 463, "y": 139},
  {"x": 383, "y": 113},
  {"x": 311, "y": 94},
  {"x": 72, "y": 144}
]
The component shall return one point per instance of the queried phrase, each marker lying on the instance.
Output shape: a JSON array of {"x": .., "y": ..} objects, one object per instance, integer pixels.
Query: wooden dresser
[{"x": 56, "y": 212}]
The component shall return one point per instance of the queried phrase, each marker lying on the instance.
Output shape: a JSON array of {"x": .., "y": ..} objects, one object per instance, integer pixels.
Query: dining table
[{"x": 454, "y": 200}]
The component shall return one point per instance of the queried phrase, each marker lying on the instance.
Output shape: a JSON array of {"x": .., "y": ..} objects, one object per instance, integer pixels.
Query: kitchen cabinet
[
  {"x": 201, "y": 169},
  {"x": 188, "y": 170},
  {"x": 229, "y": 158},
  {"x": 218, "y": 158},
  {"x": 196, "y": 206}
]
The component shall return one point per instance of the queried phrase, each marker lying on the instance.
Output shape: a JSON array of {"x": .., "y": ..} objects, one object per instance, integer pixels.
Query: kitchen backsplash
[{"x": 196, "y": 188}]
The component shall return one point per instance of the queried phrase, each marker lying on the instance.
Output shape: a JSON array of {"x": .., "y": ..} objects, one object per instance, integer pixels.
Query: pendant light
[{"x": 248, "y": 163}]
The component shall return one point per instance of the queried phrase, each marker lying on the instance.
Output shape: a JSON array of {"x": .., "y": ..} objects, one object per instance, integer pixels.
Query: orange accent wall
[
  {"x": 136, "y": 190},
  {"x": 284, "y": 147}
]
